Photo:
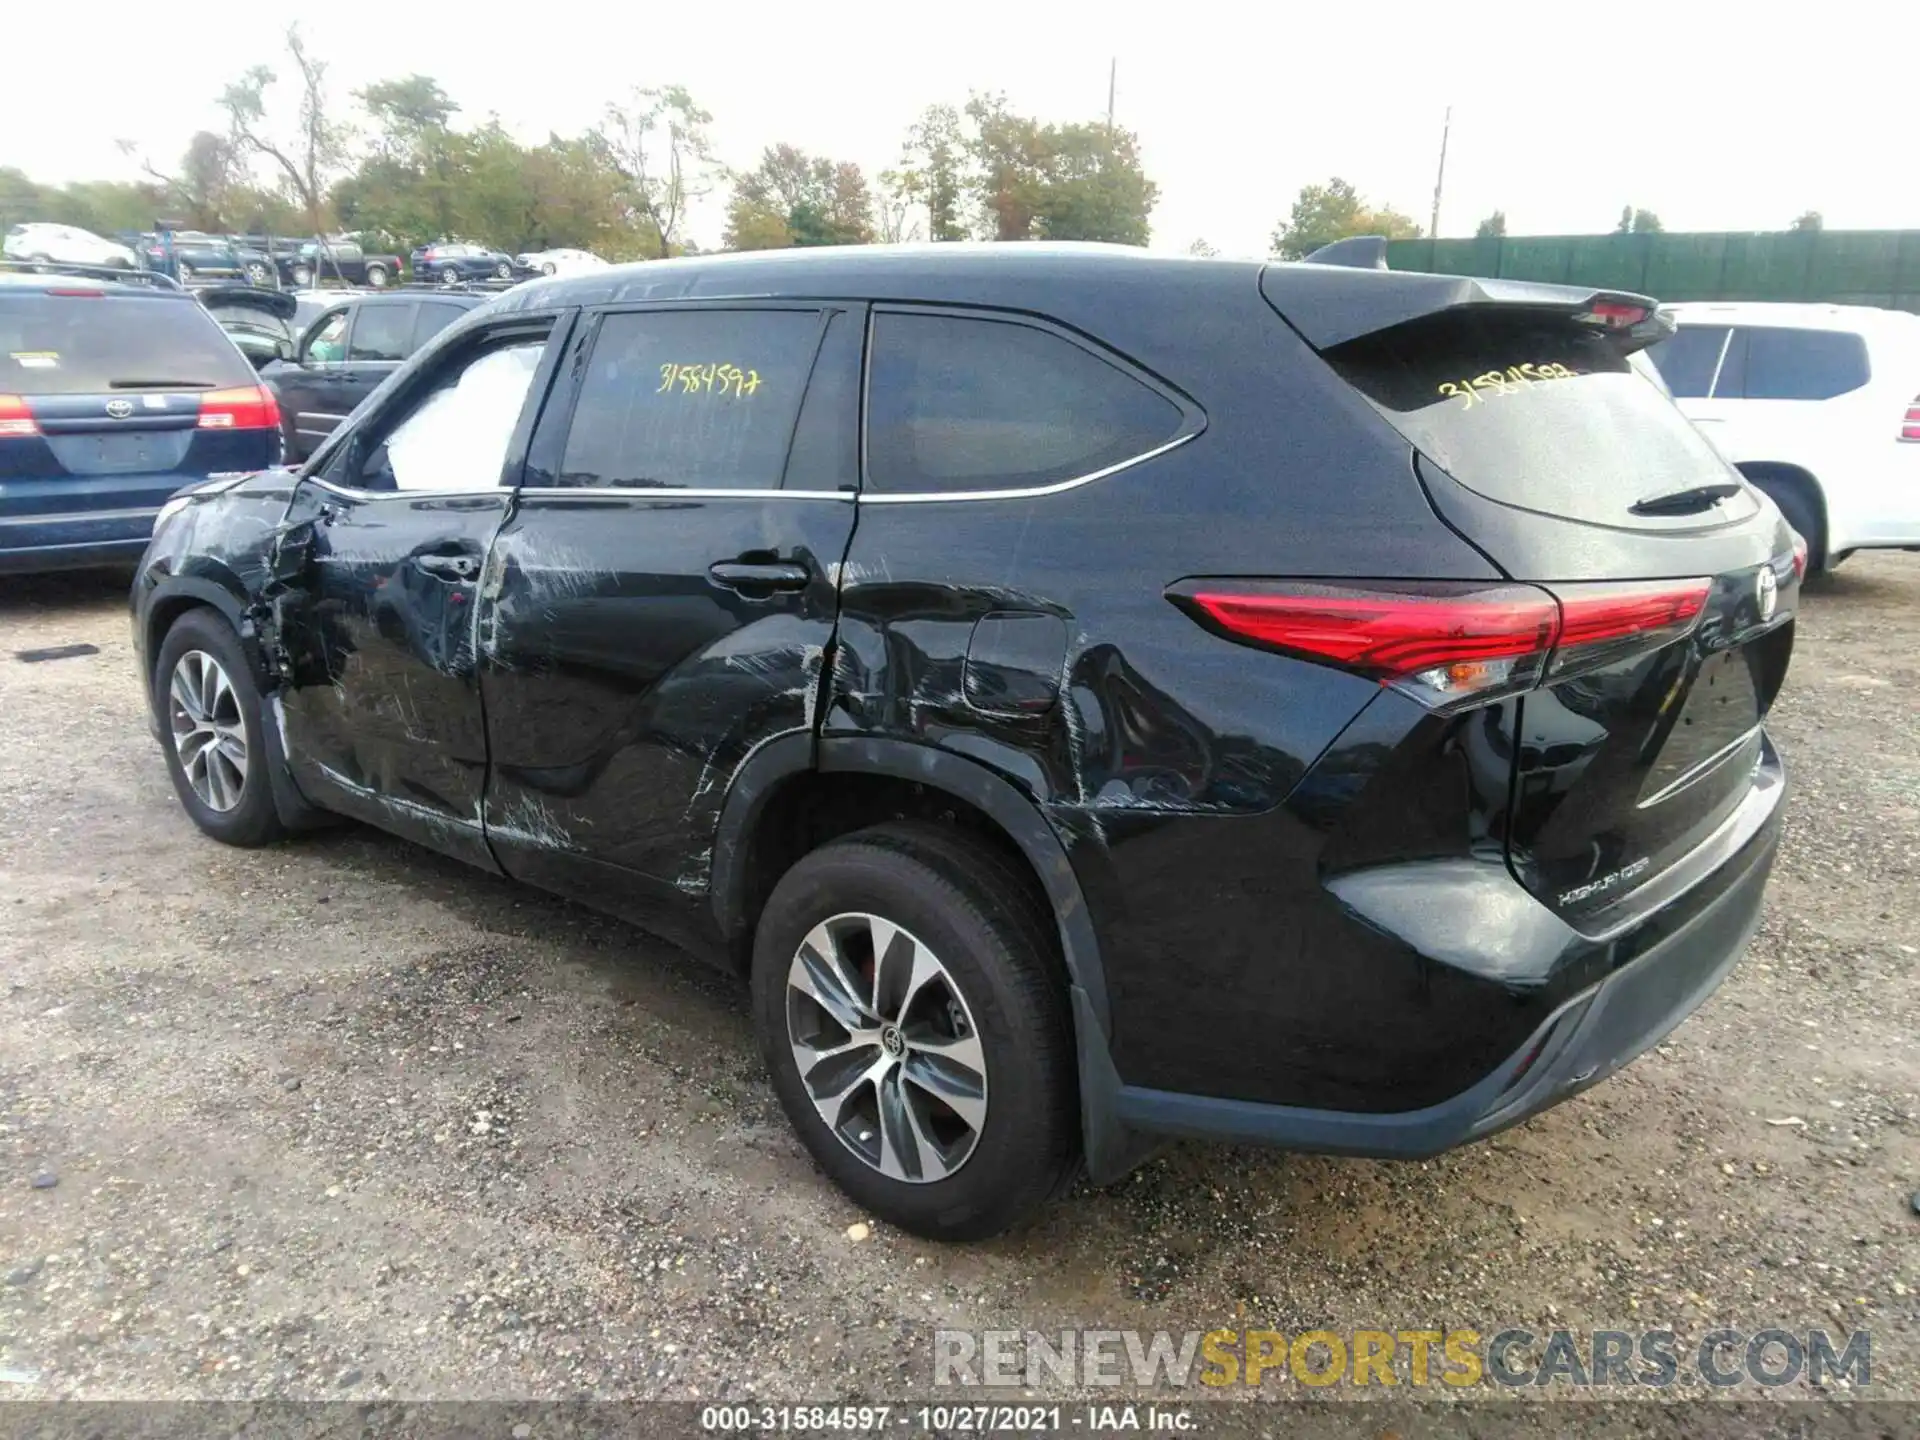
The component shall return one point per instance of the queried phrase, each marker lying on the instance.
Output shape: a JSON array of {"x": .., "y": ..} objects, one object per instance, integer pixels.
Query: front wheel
[
  {"x": 259, "y": 276},
  {"x": 215, "y": 752},
  {"x": 302, "y": 276},
  {"x": 910, "y": 1008},
  {"x": 549, "y": 268}
]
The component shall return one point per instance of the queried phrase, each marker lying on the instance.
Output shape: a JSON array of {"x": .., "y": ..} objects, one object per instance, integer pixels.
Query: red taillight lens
[
  {"x": 1614, "y": 314},
  {"x": 1799, "y": 556},
  {"x": 1910, "y": 427},
  {"x": 16, "y": 419},
  {"x": 251, "y": 407},
  {"x": 1448, "y": 643}
]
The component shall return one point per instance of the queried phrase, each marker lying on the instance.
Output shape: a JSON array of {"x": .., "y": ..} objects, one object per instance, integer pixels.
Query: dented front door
[
  {"x": 660, "y": 602},
  {"x": 382, "y": 704}
]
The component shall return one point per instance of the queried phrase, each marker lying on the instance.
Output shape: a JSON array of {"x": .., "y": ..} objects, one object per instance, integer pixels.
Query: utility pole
[
  {"x": 1113, "y": 74},
  {"x": 1440, "y": 179}
]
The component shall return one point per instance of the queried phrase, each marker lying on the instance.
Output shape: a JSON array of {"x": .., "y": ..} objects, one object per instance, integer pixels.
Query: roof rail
[
  {"x": 1356, "y": 252},
  {"x": 117, "y": 273}
]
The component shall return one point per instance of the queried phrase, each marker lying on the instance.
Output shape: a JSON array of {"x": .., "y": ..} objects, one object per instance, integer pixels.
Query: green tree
[
  {"x": 792, "y": 198},
  {"x": 1095, "y": 186},
  {"x": 1638, "y": 222},
  {"x": 1494, "y": 225},
  {"x": 1202, "y": 249},
  {"x": 658, "y": 145},
  {"x": 933, "y": 171},
  {"x": 1809, "y": 220},
  {"x": 1322, "y": 214},
  {"x": 306, "y": 148}
]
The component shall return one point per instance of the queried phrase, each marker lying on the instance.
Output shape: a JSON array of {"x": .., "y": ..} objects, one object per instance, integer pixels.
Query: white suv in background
[
  {"x": 1818, "y": 405},
  {"x": 64, "y": 244}
]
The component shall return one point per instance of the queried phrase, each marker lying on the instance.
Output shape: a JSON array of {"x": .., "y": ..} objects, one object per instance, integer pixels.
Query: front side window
[
  {"x": 690, "y": 399},
  {"x": 958, "y": 403},
  {"x": 329, "y": 342},
  {"x": 454, "y": 437}
]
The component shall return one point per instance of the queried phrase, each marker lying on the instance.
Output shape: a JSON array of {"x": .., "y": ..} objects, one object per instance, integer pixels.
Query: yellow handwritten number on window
[
  {"x": 1511, "y": 381},
  {"x": 712, "y": 378}
]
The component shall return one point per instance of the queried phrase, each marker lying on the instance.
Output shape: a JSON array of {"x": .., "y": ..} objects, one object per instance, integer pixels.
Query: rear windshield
[
  {"x": 85, "y": 345},
  {"x": 1533, "y": 411}
]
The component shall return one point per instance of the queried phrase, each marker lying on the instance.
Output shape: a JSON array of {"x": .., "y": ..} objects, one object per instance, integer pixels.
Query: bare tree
[
  {"x": 895, "y": 220},
  {"x": 658, "y": 143},
  {"x": 306, "y": 153}
]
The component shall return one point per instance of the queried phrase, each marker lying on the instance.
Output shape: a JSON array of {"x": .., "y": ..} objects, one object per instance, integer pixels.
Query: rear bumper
[
  {"x": 31, "y": 543},
  {"x": 1582, "y": 1042}
]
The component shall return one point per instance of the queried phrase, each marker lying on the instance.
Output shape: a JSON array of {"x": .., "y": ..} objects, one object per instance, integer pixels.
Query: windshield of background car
[
  {"x": 1533, "y": 411},
  {"x": 86, "y": 344}
]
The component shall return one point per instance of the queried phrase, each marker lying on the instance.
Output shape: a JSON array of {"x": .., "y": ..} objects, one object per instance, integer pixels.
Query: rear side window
[
  {"x": 434, "y": 317},
  {"x": 1779, "y": 363},
  {"x": 1688, "y": 358},
  {"x": 90, "y": 344},
  {"x": 690, "y": 399},
  {"x": 960, "y": 403},
  {"x": 1533, "y": 411},
  {"x": 380, "y": 332}
]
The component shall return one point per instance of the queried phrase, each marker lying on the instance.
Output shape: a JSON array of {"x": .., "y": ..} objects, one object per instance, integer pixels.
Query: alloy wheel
[
  {"x": 886, "y": 1047},
  {"x": 209, "y": 733}
]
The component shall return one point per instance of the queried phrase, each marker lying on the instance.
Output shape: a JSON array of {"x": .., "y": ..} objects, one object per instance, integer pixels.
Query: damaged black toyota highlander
[{"x": 1091, "y": 697}]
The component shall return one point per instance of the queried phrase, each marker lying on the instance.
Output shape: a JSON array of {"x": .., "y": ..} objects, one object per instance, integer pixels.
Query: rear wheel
[
  {"x": 503, "y": 271},
  {"x": 303, "y": 276},
  {"x": 910, "y": 1010},
  {"x": 215, "y": 752},
  {"x": 450, "y": 276},
  {"x": 377, "y": 276},
  {"x": 259, "y": 275},
  {"x": 549, "y": 268},
  {"x": 1791, "y": 494}
]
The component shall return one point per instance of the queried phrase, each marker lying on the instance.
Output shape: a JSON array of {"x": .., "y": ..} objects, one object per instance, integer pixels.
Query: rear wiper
[
  {"x": 144, "y": 384},
  {"x": 1682, "y": 502}
]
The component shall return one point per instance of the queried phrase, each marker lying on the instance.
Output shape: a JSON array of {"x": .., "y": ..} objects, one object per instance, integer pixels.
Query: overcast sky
[{"x": 1561, "y": 113}]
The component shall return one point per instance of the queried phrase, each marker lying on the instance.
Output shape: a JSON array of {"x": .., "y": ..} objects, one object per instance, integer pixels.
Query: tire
[
  {"x": 1803, "y": 514},
  {"x": 549, "y": 268},
  {"x": 503, "y": 271},
  {"x": 957, "y": 904},
  {"x": 303, "y": 276},
  {"x": 259, "y": 276},
  {"x": 183, "y": 272},
  {"x": 199, "y": 638},
  {"x": 450, "y": 276},
  {"x": 377, "y": 276}
]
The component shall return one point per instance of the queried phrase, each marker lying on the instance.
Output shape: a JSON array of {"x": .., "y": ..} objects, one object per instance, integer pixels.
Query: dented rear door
[{"x": 660, "y": 601}]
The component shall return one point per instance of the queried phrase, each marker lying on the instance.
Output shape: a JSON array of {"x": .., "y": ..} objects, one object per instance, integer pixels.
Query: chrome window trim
[
  {"x": 656, "y": 492},
  {"x": 352, "y": 494},
  {"x": 1028, "y": 492}
]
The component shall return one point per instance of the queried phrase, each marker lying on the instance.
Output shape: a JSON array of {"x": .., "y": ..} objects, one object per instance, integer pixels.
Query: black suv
[
  {"x": 346, "y": 351},
  {"x": 1094, "y": 698}
]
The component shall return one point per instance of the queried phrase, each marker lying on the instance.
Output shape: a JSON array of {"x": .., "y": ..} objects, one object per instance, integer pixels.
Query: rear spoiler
[{"x": 1338, "y": 293}]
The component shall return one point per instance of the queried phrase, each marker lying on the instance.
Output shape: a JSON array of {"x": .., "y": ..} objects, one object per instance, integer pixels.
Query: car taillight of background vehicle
[
  {"x": 1910, "y": 427},
  {"x": 1450, "y": 644},
  {"x": 1799, "y": 556},
  {"x": 250, "y": 407},
  {"x": 16, "y": 419}
]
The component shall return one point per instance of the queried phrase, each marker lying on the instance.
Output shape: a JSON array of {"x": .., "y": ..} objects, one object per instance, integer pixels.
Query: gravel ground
[{"x": 340, "y": 1118}]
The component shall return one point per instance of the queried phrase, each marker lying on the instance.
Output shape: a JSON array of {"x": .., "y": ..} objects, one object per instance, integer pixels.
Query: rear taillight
[
  {"x": 16, "y": 419},
  {"x": 251, "y": 407},
  {"x": 1449, "y": 644},
  {"x": 1910, "y": 427},
  {"x": 1614, "y": 314},
  {"x": 1799, "y": 556}
]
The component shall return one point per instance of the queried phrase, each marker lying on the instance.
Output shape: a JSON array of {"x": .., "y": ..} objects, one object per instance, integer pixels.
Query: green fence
[{"x": 1851, "y": 267}]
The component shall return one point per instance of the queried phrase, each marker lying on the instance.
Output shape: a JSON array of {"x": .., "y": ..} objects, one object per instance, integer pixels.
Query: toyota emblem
[
  {"x": 119, "y": 409},
  {"x": 1769, "y": 592}
]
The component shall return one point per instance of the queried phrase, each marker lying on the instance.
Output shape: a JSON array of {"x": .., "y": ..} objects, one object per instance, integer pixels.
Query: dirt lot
[{"x": 341, "y": 1118}]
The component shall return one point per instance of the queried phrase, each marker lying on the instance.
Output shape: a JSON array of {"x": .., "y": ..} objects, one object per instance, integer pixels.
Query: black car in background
[
  {"x": 344, "y": 354},
  {"x": 259, "y": 321},
  {"x": 1093, "y": 697},
  {"x": 344, "y": 260},
  {"x": 450, "y": 261}
]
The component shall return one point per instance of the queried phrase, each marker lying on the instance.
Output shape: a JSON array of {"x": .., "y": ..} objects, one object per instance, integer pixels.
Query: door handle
[
  {"x": 448, "y": 567},
  {"x": 744, "y": 575}
]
